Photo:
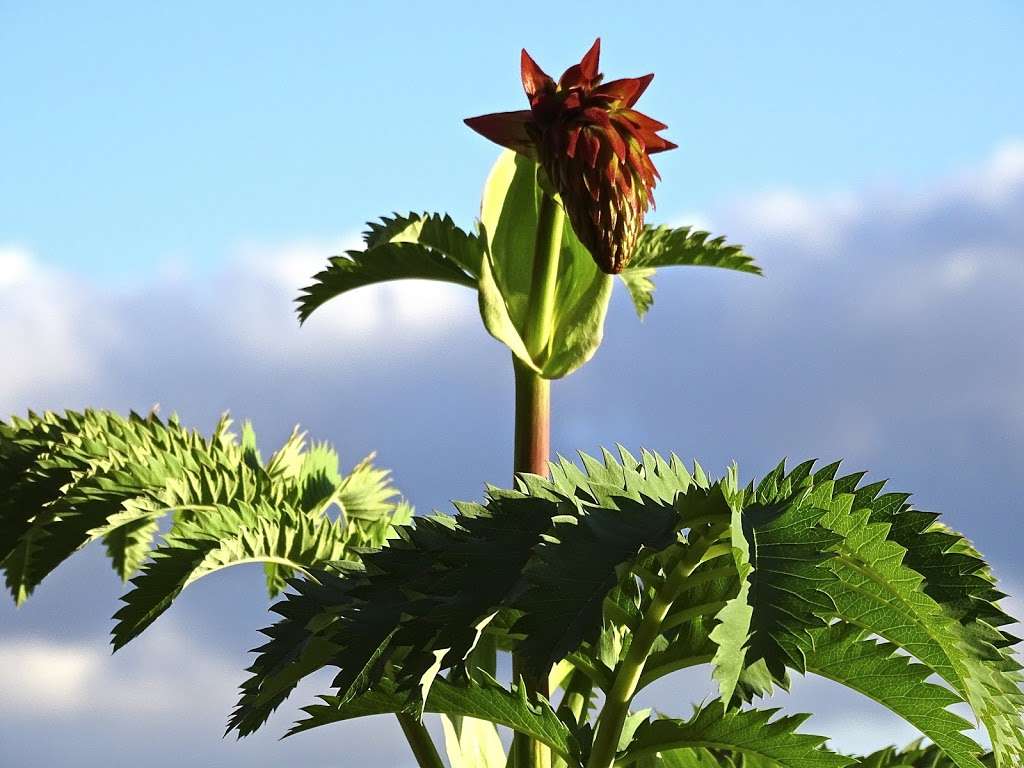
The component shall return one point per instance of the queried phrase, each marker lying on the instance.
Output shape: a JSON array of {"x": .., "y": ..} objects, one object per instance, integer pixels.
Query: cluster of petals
[{"x": 593, "y": 145}]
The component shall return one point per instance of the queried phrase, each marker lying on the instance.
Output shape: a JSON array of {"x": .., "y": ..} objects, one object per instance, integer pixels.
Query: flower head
[{"x": 594, "y": 147}]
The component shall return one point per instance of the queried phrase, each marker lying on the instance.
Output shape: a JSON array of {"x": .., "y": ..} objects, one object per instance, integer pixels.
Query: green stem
[
  {"x": 533, "y": 411},
  {"x": 573, "y": 706},
  {"x": 630, "y": 669},
  {"x": 544, "y": 281},
  {"x": 533, "y": 420},
  {"x": 419, "y": 739}
]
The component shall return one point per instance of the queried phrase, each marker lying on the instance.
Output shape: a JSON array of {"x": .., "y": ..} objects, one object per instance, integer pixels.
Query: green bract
[{"x": 508, "y": 219}]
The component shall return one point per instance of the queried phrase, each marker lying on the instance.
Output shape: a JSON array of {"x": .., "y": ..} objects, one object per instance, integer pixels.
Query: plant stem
[
  {"x": 627, "y": 674},
  {"x": 544, "y": 279},
  {"x": 533, "y": 421},
  {"x": 533, "y": 413},
  {"x": 419, "y": 739},
  {"x": 577, "y": 693}
]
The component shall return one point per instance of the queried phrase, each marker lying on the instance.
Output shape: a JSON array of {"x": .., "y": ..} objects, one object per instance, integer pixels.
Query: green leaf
[
  {"x": 472, "y": 743},
  {"x": 427, "y": 247},
  {"x": 749, "y": 732},
  {"x": 875, "y": 590},
  {"x": 431, "y": 627},
  {"x": 585, "y": 557},
  {"x": 788, "y": 550},
  {"x": 639, "y": 281},
  {"x": 842, "y": 653},
  {"x": 299, "y": 645},
  {"x": 955, "y": 574},
  {"x": 71, "y": 479},
  {"x": 365, "y": 493},
  {"x": 567, "y": 567},
  {"x": 508, "y": 218},
  {"x": 128, "y": 545},
  {"x": 664, "y": 247},
  {"x": 732, "y": 630},
  {"x": 485, "y": 699},
  {"x": 915, "y": 755},
  {"x": 209, "y": 541}
]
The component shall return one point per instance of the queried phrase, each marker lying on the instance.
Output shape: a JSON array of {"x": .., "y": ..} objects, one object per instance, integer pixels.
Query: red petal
[
  {"x": 535, "y": 79},
  {"x": 596, "y": 116},
  {"x": 657, "y": 144},
  {"x": 584, "y": 74},
  {"x": 572, "y": 101},
  {"x": 571, "y": 78},
  {"x": 507, "y": 129},
  {"x": 640, "y": 120},
  {"x": 622, "y": 180},
  {"x": 570, "y": 145},
  {"x": 591, "y": 147},
  {"x": 589, "y": 62},
  {"x": 618, "y": 145},
  {"x": 627, "y": 90}
]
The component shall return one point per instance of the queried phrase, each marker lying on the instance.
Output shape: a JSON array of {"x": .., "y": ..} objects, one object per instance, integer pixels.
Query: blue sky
[
  {"x": 169, "y": 178},
  {"x": 135, "y": 134}
]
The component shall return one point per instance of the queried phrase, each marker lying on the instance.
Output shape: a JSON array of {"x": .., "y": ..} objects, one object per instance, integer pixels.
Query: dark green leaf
[
  {"x": 665, "y": 247},
  {"x": 427, "y": 247},
  {"x": 752, "y": 732}
]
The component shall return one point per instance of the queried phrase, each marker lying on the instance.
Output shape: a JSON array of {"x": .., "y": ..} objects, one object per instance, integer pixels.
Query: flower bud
[{"x": 594, "y": 147}]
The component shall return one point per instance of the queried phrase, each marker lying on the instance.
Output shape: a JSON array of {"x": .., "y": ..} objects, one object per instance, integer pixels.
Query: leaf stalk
[
  {"x": 630, "y": 669},
  {"x": 419, "y": 740}
]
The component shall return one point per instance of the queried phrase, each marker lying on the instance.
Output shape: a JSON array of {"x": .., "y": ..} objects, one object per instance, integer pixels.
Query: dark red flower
[{"x": 594, "y": 147}]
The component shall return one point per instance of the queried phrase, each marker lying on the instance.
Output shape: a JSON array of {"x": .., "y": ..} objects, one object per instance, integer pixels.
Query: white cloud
[
  {"x": 163, "y": 673},
  {"x": 62, "y": 334},
  {"x": 73, "y": 703},
  {"x": 40, "y": 677},
  {"x": 263, "y": 283},
  {"x": 1002, "y": 175},
  {"x": 15, "y": 266},
  {"x": 48, "y": 328},
  {"x": 694, "y": 220},
  {"x": 816, "y": 224}
]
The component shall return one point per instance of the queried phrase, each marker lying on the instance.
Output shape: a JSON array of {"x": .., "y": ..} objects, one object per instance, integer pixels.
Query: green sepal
[{"x": 508, "y": 220}]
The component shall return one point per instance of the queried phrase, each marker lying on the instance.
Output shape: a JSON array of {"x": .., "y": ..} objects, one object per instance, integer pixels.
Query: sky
[{"x": 170, "y": 177}]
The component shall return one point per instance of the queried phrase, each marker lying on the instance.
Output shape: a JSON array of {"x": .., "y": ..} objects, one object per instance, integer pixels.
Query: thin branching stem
[
  {"x": 419, "y": 740},
  {"x": 629, "y": 671}
]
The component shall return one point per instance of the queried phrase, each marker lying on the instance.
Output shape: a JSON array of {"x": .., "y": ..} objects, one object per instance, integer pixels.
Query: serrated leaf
[
  {"x": 425, "y": 247},
  {"x": 875, "y": 590},
  {"x": 664, "y": 247},
  {"x": 732, "y": 628},
  {"x": 484, "y": 700},
  {"x": 753, "y": 732},
  {"x": 129, "y": 544},
  {"x": 788, "y": 550},
  {"x": 915, "y": 755},
  {"x": 220, "y": 538},
  {"x": 842, "y": 653},
  {"x": 70, "y": 479},
  {"x": 575, "y": 571}
]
